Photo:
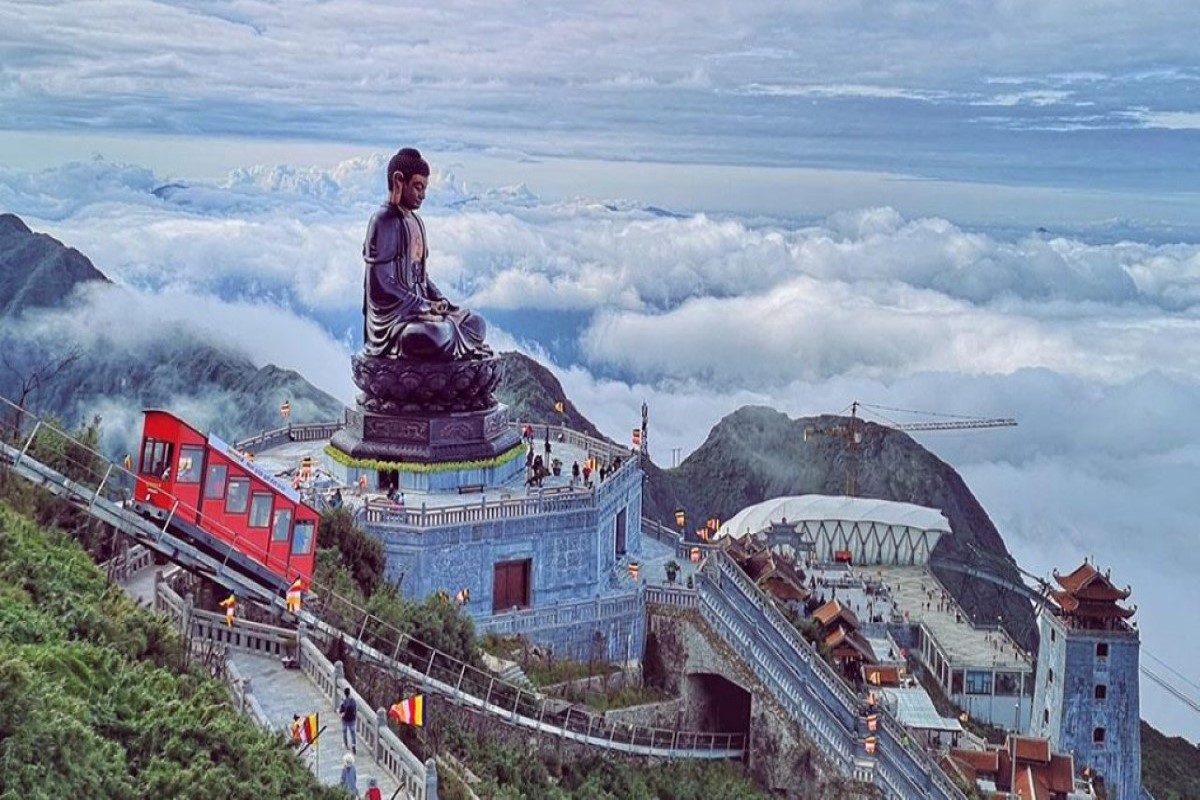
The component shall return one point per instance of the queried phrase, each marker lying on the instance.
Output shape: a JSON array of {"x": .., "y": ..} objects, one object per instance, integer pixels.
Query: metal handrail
[
  {"x": 437, "y": 671},
  {"x": 728, "y": 568}
]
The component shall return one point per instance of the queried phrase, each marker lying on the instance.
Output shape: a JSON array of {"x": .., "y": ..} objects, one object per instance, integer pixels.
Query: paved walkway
[
  {"x": 140, "y": 586},
  {"x": 283, "y": 692},
  {"x": 286, "y": 458}
]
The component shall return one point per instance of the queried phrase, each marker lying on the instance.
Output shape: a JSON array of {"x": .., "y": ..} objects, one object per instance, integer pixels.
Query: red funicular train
[{"x": 224, "y": 503}]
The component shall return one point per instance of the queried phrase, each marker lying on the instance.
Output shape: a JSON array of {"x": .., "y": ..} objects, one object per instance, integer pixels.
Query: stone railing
[
  {"x": 383, "y": 515},
  {"x": 671, "y": 596},
  {"x": 419, "y": 781},
  {"x": 244, "y": 697},
  {"x": 604, "y": 450},
  {"x": 674, "y": 539},
  {"x": 253, "y": 637},
  {"x": 127, "y": 563},
  {"x": 512, "y": 623},
  {"x": 307, "y": 432},
  {"x": 802, "y": 681}
]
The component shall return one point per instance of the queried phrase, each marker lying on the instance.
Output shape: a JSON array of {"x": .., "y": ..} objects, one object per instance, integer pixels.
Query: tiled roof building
[{"x": 1086, "y": 693}]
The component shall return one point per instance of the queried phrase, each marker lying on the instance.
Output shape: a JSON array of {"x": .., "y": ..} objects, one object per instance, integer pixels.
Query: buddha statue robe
[{"x": 399, "y": 320}]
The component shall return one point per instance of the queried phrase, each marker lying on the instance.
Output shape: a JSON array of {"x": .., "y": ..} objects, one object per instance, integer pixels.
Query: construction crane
[{"x": 853, "y": 435}]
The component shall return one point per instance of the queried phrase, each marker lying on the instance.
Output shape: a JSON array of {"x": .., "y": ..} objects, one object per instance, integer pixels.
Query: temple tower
[{"x": 1086, "y": 696}]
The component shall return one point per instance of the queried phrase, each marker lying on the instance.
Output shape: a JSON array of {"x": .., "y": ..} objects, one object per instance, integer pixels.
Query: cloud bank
[
  {"x": 895, "y": 86},
  {"x": 1092, "y": 344}
]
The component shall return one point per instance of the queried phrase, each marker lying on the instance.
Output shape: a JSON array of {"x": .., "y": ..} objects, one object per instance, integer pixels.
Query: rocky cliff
[
  {"x": 757, "y": 453},
  {"x": 751, "y": 455},
  {"x": 214, "y": 388}
]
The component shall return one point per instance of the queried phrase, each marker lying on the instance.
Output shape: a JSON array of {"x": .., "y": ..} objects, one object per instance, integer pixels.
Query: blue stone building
[
  {"x": 1086, "y": 694},
  {"x": 550, "y": 563}
]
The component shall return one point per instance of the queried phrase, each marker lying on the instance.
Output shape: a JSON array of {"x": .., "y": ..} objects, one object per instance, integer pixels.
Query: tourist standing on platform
[
  {"x": 547, "y": 444},
  {"x": 373, "y": 791},
  {"x": 349, "y": 711},
  {"x": 574, "y": 474},
  {"x": 349, "y": 780}
]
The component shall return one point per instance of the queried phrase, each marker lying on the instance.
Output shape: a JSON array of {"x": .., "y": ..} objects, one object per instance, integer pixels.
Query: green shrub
[{"x": 88, "y": 707}]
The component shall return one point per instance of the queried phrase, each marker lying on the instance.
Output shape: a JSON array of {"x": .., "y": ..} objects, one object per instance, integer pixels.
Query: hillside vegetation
[
  {"x": 1170, "y": 765},
  {"x": 95, "y": 700}
]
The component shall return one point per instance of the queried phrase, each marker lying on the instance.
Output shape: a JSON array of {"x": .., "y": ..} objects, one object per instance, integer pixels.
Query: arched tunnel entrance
[{"x": 716, "y": 704}]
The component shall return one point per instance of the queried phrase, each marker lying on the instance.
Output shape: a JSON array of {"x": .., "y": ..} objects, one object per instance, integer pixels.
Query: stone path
[
  {"x": 140, "y": 586},
  {"x": 283, "y": 692}
]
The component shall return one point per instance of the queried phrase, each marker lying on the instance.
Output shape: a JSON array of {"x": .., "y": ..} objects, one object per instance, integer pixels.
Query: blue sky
[{"x": 950, "y": 206}]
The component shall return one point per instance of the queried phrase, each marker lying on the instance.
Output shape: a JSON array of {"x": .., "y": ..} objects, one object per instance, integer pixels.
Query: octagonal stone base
[{"x": 467, "y": 439}]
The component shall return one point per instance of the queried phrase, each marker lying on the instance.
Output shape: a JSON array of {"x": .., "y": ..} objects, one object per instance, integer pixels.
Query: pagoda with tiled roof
[
  {"x": 1089, "y": 600},
  {"x": 838, "y": 629},
  {"x": 1086, "y": 697}
]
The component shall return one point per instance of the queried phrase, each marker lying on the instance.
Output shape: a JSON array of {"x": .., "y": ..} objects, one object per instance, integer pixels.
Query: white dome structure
[{"x": 872, "y": 531}]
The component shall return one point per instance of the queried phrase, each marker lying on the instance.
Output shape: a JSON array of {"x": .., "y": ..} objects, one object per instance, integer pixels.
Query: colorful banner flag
[
  {"x": 295, "y": 596},
  {"x": 633, "y": 570},
  {"x": 309, "y": 728},
  {"x": 128, "y": 462},
  {"x": 410, "y": 711},
  {"x": 560, "y": 408},
  {"x": 872, "y": 722},
  {"x": 230, "y": 605},
  {"x": 285, "y": 409},
  {"x": 637, "y": 437},
  {"x": 870, "y": 743}
]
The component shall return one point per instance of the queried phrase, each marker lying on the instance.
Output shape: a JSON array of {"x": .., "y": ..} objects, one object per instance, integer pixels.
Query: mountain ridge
[
  {"x": 748, "y": 454},
  {"x": 218, "y": 389}
]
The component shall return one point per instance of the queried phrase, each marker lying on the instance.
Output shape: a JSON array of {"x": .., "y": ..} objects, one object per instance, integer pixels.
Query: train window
[
  {"x": 214, "y": 487},
  {"x": 302, "y": 538},
  {"x": 237, "y": 495},
  {"x": 283, "y": 524},
  {"x": 156, "y": 458},
  {"x": 260, "y": 510},
  {"x": 191, "y": 462}
]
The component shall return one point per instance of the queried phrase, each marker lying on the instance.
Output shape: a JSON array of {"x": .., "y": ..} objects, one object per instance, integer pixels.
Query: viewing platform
[
  {"x": 979, "y": 666},
  {"x": 285, "y": 449},
  {"x": 548, "y": 557}
]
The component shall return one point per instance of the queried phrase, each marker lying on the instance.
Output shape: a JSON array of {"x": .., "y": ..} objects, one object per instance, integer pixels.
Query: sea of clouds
[{"x": 1093, "y": 345}]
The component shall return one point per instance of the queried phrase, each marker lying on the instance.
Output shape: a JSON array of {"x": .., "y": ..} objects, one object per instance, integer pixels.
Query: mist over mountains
[
  {"x": 115, "y": 377},
  {"x": 1093, "y": 344},
  {"x": 749, "y": 456}
]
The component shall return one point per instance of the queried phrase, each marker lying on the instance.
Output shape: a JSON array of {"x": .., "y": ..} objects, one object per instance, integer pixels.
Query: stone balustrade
[
  {"x": 381, "y": 515},
  {"x": 672, "y": 596},
  {"x": 307, "y": 432},
  {"x": 809, "y": 688},
  {"x": 243, "y": 697},
  {"x": 578, "y": 612},
  {"x": 131, "y": 561},
  {"x": 419, "y": 780}
]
